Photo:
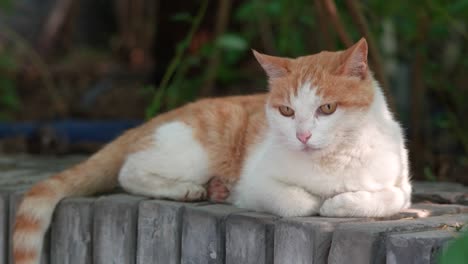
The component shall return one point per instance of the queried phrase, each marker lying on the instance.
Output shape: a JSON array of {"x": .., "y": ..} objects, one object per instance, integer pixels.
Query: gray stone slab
[
  {"x": 427, "y": 187},
  {"x": 423, "y": 210},
  {"x": 203, "y": 233},
  {"x": 4, "y": 227},
  {"x": 440, "y": 192},
  {"x": 115, "y": 229},
  {"x": 14, "y": 201},
  {"x": 441, "y": 209},
  {"x": 45, "y": 163},
  {"x": 305, "y": 239},
  {"x": 356, "y": 243},
  {"x": 417, "y": 247},
  {"x": 21, "y": 178},
  {"x": 24, "y": 170},
  {"x": 71, "y": 232},
  {"x": 249, "y": 238},
  {"x": 160, "y": 231}
]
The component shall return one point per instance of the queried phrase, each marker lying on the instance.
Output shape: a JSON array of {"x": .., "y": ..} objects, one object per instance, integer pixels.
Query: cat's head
[{"x": 319, "y": 100}]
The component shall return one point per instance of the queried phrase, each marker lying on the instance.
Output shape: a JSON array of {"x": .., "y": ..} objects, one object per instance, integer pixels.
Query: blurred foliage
[
  {"x": 456, "y": 252},
  {"x": 435, "y": 29},
  {"x": 176, "y": 66},
  {"x": 429, "y": 38},
  {"x": 6, "y": 5},
  {"x": 9, "y": 99}
]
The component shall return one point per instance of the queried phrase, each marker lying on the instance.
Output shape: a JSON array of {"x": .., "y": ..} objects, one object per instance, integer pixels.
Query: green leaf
[
  {"x": 6, "y": 5},
  {"x": 182, "y": 17},
  {"x": 7, "y": 61},
  {"x": 428, "y": 174},
  {"x": 231, "y": 41},
  {"x": 460, "y": 7},
  {"x": 456, "y": 252},
  {"x": 274, "y": 8},
  {"x": 173, "y": 95},
  {"x": 246, "y": 11},
  {"x": 442, "y": 121},
  {"x": 155, "y": 105}
]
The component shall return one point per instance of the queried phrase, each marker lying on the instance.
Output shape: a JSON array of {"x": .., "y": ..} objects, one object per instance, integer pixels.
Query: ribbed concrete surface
[{"x": 120, "y": 228}]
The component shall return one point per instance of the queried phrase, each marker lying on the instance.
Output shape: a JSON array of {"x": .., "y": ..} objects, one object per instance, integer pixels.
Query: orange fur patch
[
  {"x": 340, "y": 77},
  {"x": 21, "y": 255},
  {"x": 40, "y": 189},
  {"x": 227, "y": 128},
  {"x": 322, "y": 71},
  {"x": 26, "y": 223}
]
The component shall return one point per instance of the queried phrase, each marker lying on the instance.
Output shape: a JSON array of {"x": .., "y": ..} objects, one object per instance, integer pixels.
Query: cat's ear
[
  {"x": 355, "y": 60},
  {"x": 275, "y": 67}
]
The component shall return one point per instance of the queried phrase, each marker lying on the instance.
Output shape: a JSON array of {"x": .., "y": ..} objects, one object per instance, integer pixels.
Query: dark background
[{"x": 75, "y": 73}]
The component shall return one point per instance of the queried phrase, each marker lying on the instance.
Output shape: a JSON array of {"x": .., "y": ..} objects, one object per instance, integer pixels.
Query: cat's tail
[{"x": 96, "y": 174}]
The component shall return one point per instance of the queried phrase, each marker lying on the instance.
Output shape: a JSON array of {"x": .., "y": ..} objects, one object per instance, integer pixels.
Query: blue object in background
[{"x": 73, "y": 131}]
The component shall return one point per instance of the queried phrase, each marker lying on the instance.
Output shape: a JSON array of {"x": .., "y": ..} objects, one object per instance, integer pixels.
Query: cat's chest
[{"x": 327, "y": 175}]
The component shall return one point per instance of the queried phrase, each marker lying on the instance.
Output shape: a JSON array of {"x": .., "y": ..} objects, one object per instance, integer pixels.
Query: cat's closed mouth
[{"x": 307, "y": 148}]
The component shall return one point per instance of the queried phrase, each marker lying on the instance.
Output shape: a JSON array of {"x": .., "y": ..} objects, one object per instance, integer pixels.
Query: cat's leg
[
  {"x": 156, "y": 186},
  {"x": 174, "y": 166},
  {"x": 366, "y": 204},
  {"x": 278, "y": 198}
]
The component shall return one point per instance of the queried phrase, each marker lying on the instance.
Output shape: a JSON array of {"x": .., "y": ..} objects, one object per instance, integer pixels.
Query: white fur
[
  {"x": 175, "y": 166},
  {"x": 356, "y": 164}
]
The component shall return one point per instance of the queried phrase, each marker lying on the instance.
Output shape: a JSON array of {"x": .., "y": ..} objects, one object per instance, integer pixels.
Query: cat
[{"x": 321, "y": 141}]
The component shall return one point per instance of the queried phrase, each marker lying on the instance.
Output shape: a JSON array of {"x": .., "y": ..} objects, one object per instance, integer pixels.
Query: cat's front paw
[
  {"x": 296, "y": 202},
  {"x": 193, "y": 192},
  {"x": 343, "y": 205}
]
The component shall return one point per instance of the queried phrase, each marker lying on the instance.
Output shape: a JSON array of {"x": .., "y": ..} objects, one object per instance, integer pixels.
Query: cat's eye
[
  {"x": 286, "y": 111},
  {"x": 328, "y": 109}
]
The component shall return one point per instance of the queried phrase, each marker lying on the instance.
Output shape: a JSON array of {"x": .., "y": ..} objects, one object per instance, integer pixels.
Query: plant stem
[
  {"x": 175, "y": 62},
  {"x": 325, "y": 37},
  {"x": 57, "y": 100},
  {"x": 222, "y": 20},
  {"x": 334, "y": 17},
  {"x": 361, "y": 23},
  {"x": 265, "y": 30}
]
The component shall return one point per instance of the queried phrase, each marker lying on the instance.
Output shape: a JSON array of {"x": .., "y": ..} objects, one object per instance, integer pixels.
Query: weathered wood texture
[
  {"x": 4, "y": 227},
  {"x": 250, "y": 238},
  {"x": 115, "y": 229},
  {"x": 203, "y": 233},
  {"x": 160, "y": 231},
  {"x": 126, "y": 229},
  {"x": 305, "y": 240},
  {"x": 72, "y": 229}
]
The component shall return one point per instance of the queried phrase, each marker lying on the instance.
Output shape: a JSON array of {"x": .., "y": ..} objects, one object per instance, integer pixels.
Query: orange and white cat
[{"x": 322, "y": 141}]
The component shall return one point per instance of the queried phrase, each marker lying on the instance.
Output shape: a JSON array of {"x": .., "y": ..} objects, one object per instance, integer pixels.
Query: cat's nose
[{"x": 303, "y": 136}]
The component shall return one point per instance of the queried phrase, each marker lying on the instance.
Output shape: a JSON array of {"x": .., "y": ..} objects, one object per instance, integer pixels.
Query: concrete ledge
[
  {"x": 3, "y": 227},
  {"x": 306, "y": 239},
  {"x": 417, "y": 247},
  {"x": 126, "y": 229},
  {"x": 250, "y": 238},
  {"x": 203, "y": 233},
  {"x": 72, "y": 229},
  {"x": 364, "y": 242},
  {"x": 115, "y": 229},
  {"x": 121, "y": 228}
]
